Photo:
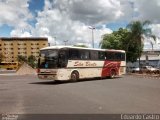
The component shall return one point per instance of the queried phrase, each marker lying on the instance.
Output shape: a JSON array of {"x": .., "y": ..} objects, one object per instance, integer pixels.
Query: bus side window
[
  {"x": 101, "y": 55},
  {"x": 119, "y": 56},
  {"x": 94, "y": 55},
  {"x": 110, "y": 56},
  {"x": 73, "y": 54},
  {"x": 84, "y": 55}
]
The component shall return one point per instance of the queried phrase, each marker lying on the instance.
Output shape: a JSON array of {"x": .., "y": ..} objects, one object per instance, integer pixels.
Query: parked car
[
  {"x": 145, "y": 69},
  {"x": 149, "y": 69},
  {"x": 135, "y": 70}
]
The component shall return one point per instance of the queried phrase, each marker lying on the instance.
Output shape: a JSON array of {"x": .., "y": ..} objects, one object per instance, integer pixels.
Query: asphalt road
[{"x": 127, "y": 94}]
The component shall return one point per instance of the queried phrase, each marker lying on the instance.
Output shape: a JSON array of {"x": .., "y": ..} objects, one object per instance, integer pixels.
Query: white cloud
[
  {"x": 156, "y": 32},
  {"x": 63, "y": 20},
  {"x": 156, "y": 29},
  {"x": 14, "y": 13},
  {"x": 20, "y": 33},
  {"x": 148, "y": 9},
  {"x": 156, "y": 43},
  {"x": 69, "y": 20},
  {"x": 91, "y": 11}
]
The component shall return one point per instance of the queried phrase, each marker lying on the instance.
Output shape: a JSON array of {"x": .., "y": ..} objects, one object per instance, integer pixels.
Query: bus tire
[
  {"x": 112, "y": 74},
  {"x": 74, "y": 76}
]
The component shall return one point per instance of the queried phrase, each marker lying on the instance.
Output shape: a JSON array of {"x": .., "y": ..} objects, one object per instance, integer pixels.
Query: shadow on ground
[{"x": 67, "y": 81}]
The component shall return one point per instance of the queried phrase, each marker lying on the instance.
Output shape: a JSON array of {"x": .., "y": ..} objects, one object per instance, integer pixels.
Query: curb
[{"x": 145, "y": 75}]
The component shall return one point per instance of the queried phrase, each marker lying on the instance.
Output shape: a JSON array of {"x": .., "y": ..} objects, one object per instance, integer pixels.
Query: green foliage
[
  {"x": 81, "y": 46},
  {"x": 32, "y": 61},
  {"x": 137, "y": 31},
  {"x": 130, "y": 39},
  {"x": 21, "y": 58},
  {"x": 114, "y": 40},
  {"x": 120, "y": 40}
]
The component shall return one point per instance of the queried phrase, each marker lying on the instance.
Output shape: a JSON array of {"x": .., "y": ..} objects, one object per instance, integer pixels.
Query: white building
[{"x": 149, "y": 57}]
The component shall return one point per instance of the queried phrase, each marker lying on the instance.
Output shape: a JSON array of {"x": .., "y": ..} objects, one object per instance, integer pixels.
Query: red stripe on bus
[{"x": 110, "y": 65}]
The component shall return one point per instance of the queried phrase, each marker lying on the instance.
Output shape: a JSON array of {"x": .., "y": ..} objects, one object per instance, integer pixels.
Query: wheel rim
[{"x": 74, "y": 77}]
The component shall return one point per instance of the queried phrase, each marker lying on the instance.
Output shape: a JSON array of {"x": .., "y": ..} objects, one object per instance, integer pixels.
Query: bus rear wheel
[
  {"x": 74, "y": 76},
  {"x": 112, "y": 74}
]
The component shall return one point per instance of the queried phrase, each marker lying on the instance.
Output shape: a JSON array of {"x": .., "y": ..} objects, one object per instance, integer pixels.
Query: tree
[
  {"x": 21, "y": 58},
  {"x": 130, "y": 39},
  {"x": 119, "y": 40},
  {"x": 138, "y": 30},
  {"x": 32, "y": 61},
  {"x": 80, "y": 46}
]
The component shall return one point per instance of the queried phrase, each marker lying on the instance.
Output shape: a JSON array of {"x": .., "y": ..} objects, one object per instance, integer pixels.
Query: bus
[
  {"x": 9, "y": 65},
  {"x": 74, "y": 63}
]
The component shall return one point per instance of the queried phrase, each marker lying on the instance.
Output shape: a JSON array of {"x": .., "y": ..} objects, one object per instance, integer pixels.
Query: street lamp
[
  {"x": 65, "y": 42},
  {"x": 55, "y": 40},
  {"x": 92, "y": 28}
]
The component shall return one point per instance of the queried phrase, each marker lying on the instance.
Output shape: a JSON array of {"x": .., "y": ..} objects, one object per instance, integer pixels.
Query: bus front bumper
[{"x": 47, "y": 76}]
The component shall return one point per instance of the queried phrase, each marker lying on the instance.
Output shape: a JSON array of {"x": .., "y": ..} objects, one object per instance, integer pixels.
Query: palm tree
[
  {"x": 151, "y": 42},
  {"x": 139, "y": 30}
]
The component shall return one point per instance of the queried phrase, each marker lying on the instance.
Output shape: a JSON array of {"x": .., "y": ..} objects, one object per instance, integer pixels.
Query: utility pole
[
  {"x": 55, "y": 40},
  {"x": 65, "y": 42},
  {"x": 132, "y": 6},
  {"x": 92, "y": 28}
]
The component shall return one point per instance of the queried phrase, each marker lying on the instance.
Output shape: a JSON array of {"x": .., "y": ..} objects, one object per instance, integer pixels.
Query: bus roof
[{"x": 82, "y": 48}]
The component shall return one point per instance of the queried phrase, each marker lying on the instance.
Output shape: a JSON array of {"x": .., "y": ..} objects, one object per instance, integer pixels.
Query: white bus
[{"x": 74, "y": 63}]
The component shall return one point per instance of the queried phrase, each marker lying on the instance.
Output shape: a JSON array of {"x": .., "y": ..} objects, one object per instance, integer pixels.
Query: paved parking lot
[{"x": 127, "y": 94}]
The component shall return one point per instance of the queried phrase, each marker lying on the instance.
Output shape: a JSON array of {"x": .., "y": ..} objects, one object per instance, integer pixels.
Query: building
[
  {"x": 148, "y": 57},
  {"x": 10, "y": 48},
  {"x": 151, "y": 57}
]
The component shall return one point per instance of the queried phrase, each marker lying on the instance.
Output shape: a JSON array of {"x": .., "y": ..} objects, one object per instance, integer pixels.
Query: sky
[{"x": 69, "y": 20}]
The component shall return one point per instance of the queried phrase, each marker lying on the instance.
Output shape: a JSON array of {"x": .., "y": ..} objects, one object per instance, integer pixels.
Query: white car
[
  {"x": 149, "y": 69},
  {"x": 134, "y": 70}
]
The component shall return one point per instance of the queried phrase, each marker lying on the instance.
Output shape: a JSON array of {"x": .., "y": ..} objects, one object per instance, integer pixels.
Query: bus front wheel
[{"x": 74, "y": 76}]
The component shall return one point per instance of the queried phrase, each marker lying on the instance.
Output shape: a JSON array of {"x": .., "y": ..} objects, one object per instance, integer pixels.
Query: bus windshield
[{"x": 48, "y": 59}]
